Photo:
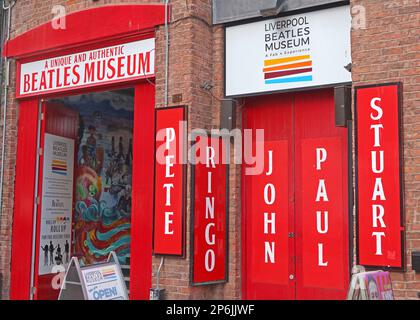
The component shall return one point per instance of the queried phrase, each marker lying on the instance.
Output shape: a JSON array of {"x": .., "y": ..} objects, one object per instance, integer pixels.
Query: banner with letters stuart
[{"x": 379, "y": 181}]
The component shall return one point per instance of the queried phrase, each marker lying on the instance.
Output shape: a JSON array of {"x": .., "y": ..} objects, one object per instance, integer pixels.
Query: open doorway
[{"x": 85, "y": 183}]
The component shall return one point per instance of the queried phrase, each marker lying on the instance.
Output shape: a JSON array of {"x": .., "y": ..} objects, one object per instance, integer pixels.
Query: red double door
[{"x": 295, "y": 205}]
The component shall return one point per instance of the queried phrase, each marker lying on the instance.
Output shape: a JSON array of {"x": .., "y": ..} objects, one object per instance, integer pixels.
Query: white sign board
[
  {"x": 299, "y": 51},
  {"x": 104, "y": 282},
  {"x": 128, "y": 61},
  {"x": 56, "y": 205}
]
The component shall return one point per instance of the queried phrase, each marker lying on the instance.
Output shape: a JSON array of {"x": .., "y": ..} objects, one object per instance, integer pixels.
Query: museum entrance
[
  {"x": 295, "y": 212},
  {"x": 85, "y": 184}
]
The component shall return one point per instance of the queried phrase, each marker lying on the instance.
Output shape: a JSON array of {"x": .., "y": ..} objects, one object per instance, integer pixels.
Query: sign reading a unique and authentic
[
  {"x": 127, "y": 61},
  {"x": 379, "y": 176},
  {"x": 168, "y": 237},
  {"x": 56, "y": 205},
  {"x": 305, "y": 50},
  {"x": 209, "y": 211}
]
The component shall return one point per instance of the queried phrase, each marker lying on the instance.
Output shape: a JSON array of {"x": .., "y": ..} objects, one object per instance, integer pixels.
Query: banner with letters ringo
[
  {"x": 209, "y": 210},
  {"x": 379, "y": 181},
  {"x": 299, "y": 51}
]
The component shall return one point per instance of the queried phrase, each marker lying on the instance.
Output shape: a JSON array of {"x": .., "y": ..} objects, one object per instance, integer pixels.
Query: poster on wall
[
  {"x": 209, "y": 211},
  {"x": 57, "y": 199},
  {"x": 300, "y": 51},
  {"x": 104, "y": 161},
  {"x": 379, "y": 182},
  {"x": 170, "y": 182}
]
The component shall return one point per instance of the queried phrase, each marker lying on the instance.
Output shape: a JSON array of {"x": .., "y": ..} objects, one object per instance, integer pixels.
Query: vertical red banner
[
  {"x": 209, "y": 207},
  {"x": 323, "y": 213},
  {"x": 169, "y": 205},
  {"x": 379, "y": 177},
  {"x": 269, "y": 216}
]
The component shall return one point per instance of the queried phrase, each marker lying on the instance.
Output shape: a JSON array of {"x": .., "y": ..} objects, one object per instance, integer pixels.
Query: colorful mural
[{"x": 102, "y": 212}]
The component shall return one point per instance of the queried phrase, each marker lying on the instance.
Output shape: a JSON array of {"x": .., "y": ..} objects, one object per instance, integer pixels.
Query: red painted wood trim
[
  {"x": 143, "y": 176},
  {"x": 91, "y": 25},
  {"x": 24, "y": 200}
]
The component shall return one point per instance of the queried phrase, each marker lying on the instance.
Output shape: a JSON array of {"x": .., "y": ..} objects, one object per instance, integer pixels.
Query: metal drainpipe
[
  {"x": 166, "y": 103},
  {"x": 166, "y": 53},
  {"x": 6, "y": 79}
]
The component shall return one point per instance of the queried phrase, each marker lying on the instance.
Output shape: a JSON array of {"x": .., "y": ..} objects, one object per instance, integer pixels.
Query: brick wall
[
  {"x": 388, "y": 51},
  {"x": 196, "y": 55}
]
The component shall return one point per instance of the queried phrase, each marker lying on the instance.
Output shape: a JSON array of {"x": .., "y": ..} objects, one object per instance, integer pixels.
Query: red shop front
[
  {"x": 86, "y": 113},
  {"x": 296, "y": 213}
]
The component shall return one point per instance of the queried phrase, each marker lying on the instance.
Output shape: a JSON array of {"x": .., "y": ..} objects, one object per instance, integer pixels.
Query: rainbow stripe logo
[
  {"x": 288, "y": 70},
  {"x": 62, "y": 219},
  {"x": 59, "y": 167},
  {"x": 108, "y": 274}
]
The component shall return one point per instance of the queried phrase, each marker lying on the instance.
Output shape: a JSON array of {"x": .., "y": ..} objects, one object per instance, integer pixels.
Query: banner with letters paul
[{"x": 379, "y": 181}]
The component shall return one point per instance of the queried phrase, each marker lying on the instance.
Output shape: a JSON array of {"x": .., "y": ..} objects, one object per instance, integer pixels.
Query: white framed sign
[
  {"x": 56, "y": 205},
  {"x": 101, "y": 281},
  {"x": 104, "y": 282},
  {"x": 127, "y": 61},
  {"x": 300, "y": 51}
]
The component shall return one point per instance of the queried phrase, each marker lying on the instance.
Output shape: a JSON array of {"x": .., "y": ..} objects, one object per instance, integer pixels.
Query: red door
[
  {"x": 60, "y": 121},
  {"x": 295, "y": 211}
]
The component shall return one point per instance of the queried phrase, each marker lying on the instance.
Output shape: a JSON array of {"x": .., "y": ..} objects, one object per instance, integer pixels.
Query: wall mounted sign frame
[
  {"x": 170, "y": 181},
  {"x": 379, "y": 176},
  {"x": 300, "y": 51},
  {"x": 209, "y": 225}
]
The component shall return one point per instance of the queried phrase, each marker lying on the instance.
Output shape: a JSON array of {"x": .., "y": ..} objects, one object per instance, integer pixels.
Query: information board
[
  {"x": 103, "y": 281},
  {"x": 56, "y": 205}
]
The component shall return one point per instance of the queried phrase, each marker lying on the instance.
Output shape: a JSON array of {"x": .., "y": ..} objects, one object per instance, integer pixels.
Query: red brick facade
[{"x": 386, "y": 51}]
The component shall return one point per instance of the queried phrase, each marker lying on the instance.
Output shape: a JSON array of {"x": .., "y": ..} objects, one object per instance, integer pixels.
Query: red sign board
[
  {"x": 324, "y": 245},
  {"x": 209, "y": 207},
  {"x": 168, "y": 236},
  {"x": 269, "y": 220},
  {"x": 379, "y": 176}
]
